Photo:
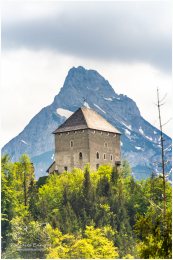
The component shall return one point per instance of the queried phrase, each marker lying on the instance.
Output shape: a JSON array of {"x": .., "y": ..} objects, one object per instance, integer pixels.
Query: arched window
[
  {"x": 71, "y": 143},
  {"x": 111, "y": 157},
  {"x": 104, "y": 156},
  {"x": 97, "y": 155},
  {"x": 80, "y": 156}
]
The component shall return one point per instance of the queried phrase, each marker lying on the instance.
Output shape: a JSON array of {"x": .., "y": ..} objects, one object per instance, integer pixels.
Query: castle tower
[{"x": 85, "y": 137}]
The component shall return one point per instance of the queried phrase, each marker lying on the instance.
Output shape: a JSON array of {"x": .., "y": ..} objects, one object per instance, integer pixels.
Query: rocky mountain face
[{"x": 140, "y": 141}]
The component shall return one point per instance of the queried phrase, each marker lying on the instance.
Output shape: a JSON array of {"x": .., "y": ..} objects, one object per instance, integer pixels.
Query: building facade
[{"x": 85, "y": 137}]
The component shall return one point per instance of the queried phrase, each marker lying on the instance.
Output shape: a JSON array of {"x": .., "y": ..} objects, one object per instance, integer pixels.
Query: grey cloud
[{"x": 125, "y": 32}]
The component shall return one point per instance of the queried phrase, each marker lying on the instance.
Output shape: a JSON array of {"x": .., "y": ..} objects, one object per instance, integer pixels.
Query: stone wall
[
  {"x": 71, "y": 150},
  {"x": 104, "y": 148},
  {"x": 77, "y": 148}
]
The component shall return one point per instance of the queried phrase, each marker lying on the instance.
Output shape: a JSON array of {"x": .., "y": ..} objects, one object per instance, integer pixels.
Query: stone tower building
[{"x": 85, "y": 137}]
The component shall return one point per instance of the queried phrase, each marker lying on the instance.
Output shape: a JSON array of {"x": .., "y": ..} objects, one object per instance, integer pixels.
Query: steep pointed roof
[{"x": 86, "y": 118}]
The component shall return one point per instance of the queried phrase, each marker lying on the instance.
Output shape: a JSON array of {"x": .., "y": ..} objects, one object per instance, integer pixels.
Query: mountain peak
[
  {"x": 82, "y": 80},
  {"x": 81, "y": 72},
  {"x": 88, "y": 85},
  {"x": 77, "y": 69}
]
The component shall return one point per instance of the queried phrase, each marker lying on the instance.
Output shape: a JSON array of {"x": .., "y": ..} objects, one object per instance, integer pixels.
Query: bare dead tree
[{"x": 159, "y": 104}]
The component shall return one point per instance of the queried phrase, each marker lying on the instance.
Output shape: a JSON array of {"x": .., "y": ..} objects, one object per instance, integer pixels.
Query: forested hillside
[{"x": 83, "y": 214}]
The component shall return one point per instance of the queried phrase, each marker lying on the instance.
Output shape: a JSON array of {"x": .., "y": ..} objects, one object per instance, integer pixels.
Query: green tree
[
  {"x": 8, "y": 198},
  {"x": 29, "y": 239},
  {"x": 88, "y": 197},
  {"x": 114, "y": 174},
  {"x": 84, "y": 213},
  {"x": 93, "y": 244},
  {"x": 25, "y": 172},
  {"x": 153, "y": 230},
  {"x": 118, "y": 203}
]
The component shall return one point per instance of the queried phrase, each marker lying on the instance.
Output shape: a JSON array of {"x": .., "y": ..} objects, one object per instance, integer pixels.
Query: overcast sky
[{"x": 128, "y": 42}]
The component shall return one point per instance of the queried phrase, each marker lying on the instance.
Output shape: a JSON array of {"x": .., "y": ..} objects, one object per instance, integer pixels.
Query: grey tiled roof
[{"x": 85, "y": 118}]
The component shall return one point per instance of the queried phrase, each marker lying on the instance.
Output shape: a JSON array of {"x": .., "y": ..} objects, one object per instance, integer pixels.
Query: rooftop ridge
[{"x": 86, "y": 118}]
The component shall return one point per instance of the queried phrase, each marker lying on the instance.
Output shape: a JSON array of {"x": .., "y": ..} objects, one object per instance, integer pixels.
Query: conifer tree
[
  {"x": 114, "y": 174},
  {"x": 88, "y": 193}
]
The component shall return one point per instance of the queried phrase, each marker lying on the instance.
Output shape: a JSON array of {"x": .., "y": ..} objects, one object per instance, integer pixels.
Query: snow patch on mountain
[
  {"x": 86, "y": 104},
  {"x": 141, "y": 131},
  {"x": 100, "y": 108},
  {"x": 64, "y": 112},
  {"x": 127, "y": 132},
  {"x": 146, "y": 136},
  {"x": 22, "y": 141},
  {"x": 168, "y": 148},
  {"x": 109, "y": 99},
  {"x": 138, "y": 148},
  {"x": 128, "y": 126},
  {"x": 149, "y": 138}
]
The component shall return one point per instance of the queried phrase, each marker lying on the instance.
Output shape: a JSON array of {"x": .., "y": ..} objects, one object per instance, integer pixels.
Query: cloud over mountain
[{"x": 116, "y": 31}]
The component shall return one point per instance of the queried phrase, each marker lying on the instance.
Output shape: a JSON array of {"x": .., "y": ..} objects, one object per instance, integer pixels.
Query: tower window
[
  {"x": 71, "y": 143},
  {"x": 104, "y": 156},
  {"x": 65, "y": 168},
  {"x": 111, "y": 157},
  {"x": 80, "y": 156},
  {"x": 97, "y": 155}
]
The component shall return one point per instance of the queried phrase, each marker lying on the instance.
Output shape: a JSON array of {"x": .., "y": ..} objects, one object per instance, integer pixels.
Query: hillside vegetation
[{"x": 83, "y": 214}]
